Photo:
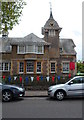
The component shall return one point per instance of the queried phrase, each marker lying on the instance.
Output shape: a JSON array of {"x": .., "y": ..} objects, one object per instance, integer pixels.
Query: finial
[
  {"x": 50, "y": 7},
  {"x": 51, "y": 16}
]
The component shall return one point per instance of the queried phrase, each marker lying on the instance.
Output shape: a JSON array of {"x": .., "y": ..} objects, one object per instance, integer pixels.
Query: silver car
[{"x": 74, "y": 87}]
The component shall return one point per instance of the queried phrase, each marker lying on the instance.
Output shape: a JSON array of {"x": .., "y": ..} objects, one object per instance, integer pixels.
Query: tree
[
  {"x": 80, "y": 67},
  {"x": 10, "y": 14}
]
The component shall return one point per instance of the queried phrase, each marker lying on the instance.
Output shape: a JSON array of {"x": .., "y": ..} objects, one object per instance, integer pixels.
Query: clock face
[{"x": 51, "y": 24}]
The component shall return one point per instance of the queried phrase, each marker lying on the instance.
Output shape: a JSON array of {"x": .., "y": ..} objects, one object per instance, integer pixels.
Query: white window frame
[
  {"x": 52, "y": 33},
  {"x": 3, "y": 68},
  {"x": 19, "y": 68},
  {"x": 42, "y": 49},
  {"x": 33, "y": 67},
  {"x": 19, "y": 48},
  {"x": 65, "y": 62},
  {"x": 29, "y": 51},
  {"x": 40, "y": 66}
]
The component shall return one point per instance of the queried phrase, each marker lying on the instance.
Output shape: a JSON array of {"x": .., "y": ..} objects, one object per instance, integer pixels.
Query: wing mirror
[{"x": 70, "y": 83}]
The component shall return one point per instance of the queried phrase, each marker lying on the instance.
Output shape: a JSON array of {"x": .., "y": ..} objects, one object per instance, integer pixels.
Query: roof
[
  {"x": 67, "y": 46},
  {"x": 31, "y": 39},
  {"x": 51, "y": 23}
]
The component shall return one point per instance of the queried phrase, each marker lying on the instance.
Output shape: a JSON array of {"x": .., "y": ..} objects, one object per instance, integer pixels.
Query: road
[{"x": 42, "y": 107}]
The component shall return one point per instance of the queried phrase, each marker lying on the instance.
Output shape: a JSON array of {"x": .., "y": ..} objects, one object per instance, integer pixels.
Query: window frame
[
  {"x": 3, "y": 67},
  {"x": 26, "y": 48},
  {"x": 42, "y": 49},
  {"x": 18, "y": 49},
  {"x": 52, "y": 33},
  {"x": 66, "y": 62},
  {"x": 55, "y": 66},
  {"x": 19, "y": 67},
  {"x": 27, "y": 66},
  {"x": 40, "y": 66}
]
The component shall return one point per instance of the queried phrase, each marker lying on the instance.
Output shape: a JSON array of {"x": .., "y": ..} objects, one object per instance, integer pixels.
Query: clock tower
[{"x": 51, "y": 31}]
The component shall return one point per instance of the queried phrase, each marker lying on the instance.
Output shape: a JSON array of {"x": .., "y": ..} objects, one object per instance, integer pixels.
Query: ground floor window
[
  {"x": 65, "y": 67},
  {"x": 30, "y": 66},
  {"x": 21, "y": 67},
  {"x": 4, "y": 66},
  {"x": 38, "y": 67},
  {"x": 53, "y": 67}
]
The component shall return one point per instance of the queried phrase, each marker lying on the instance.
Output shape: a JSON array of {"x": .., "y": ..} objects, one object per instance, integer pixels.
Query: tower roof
[{"x": 51, "y": 23}]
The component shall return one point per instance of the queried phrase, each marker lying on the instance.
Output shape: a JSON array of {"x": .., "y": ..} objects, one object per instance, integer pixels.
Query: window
[
  {"x": 39, "y": 67},
  {"x": 51, "y": 33},
  {"x": 30, "y": 66},
  {"x": 21, "y": 49},
  {"x": 52, "y": 67},
  {"x": 40, "y": 49},
  {"x": 30, "y": 48},
  {"x": 82, "y": 79},
  {"x": 5, "y": 66},
  {"x": 65, "y": 67},
  {"x": 61, "y": 50},
  {"x": 77, "y": 81},
  {"x": 21, "y": 67},
  {"x": 1, "y": 67}
]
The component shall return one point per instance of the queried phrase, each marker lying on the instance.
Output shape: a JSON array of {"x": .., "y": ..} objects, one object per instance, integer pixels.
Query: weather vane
[{"x": 50, "y": 6}]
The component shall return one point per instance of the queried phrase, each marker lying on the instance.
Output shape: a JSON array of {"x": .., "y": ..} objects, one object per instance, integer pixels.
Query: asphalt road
[{"x": 42, "y": 107}]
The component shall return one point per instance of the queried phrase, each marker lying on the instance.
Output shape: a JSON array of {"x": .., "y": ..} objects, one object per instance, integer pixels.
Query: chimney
[{"x": 4, "y": 34}]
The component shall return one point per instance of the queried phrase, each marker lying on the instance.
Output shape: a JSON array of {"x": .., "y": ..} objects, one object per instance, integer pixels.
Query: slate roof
[
  {"x": 67, "y": 46},
  {"x": 51, "y": 20},
  {"x": 31, "y": 39}
]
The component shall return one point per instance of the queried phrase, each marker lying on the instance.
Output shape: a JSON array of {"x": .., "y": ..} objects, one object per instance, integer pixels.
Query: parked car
[
  {"x": 11, "y": 91},
  {"x": 72, "y": 88}
]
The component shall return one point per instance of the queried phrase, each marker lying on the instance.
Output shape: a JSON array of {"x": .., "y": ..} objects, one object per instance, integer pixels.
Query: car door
[
  {"x": 83, "y": 86},
  {"x": 0, "y": 91},
  {"x": 74, "y": 87}
]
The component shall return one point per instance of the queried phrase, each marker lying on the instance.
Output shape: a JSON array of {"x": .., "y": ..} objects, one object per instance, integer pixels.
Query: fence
[{"x": 35, "y": 82}]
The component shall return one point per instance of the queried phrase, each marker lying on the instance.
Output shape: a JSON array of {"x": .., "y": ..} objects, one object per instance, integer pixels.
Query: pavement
[{"x": 31, "y": 93}]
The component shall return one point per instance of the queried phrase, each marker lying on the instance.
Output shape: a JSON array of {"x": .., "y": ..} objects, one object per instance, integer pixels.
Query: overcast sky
[{"x": 67, "y": 13}]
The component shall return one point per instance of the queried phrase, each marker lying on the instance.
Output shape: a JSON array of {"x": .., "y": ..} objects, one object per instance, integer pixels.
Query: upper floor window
[
  {"x": 40, "y": 49},
  {"x": 61, "y": 50},
  {"x": 52, "y": 33},
  {"x": 66, "y": 67},
  {"x": 21, "y": 49},
  {"x": 30, "y": 49}
]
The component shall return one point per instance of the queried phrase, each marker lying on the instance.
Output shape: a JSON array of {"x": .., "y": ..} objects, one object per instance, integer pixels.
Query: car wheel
[
  {"x": 6, "y": 95},
  {"x": 60, "y": 95}
]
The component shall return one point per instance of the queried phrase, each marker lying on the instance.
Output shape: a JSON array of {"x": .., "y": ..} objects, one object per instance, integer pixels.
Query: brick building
[{"x": 32, "y": 55}]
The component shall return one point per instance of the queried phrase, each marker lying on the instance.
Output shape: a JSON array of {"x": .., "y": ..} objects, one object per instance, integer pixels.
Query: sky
[{"x": 67, "y": 13}]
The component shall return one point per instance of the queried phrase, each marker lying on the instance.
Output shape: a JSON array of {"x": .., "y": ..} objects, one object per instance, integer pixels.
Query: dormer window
[
  {"x": 40, "y": 50},
  {"x": 52, "y": 33},
  {"x": 21, "y": 49},
  {"x": 36, "y": 49}
]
